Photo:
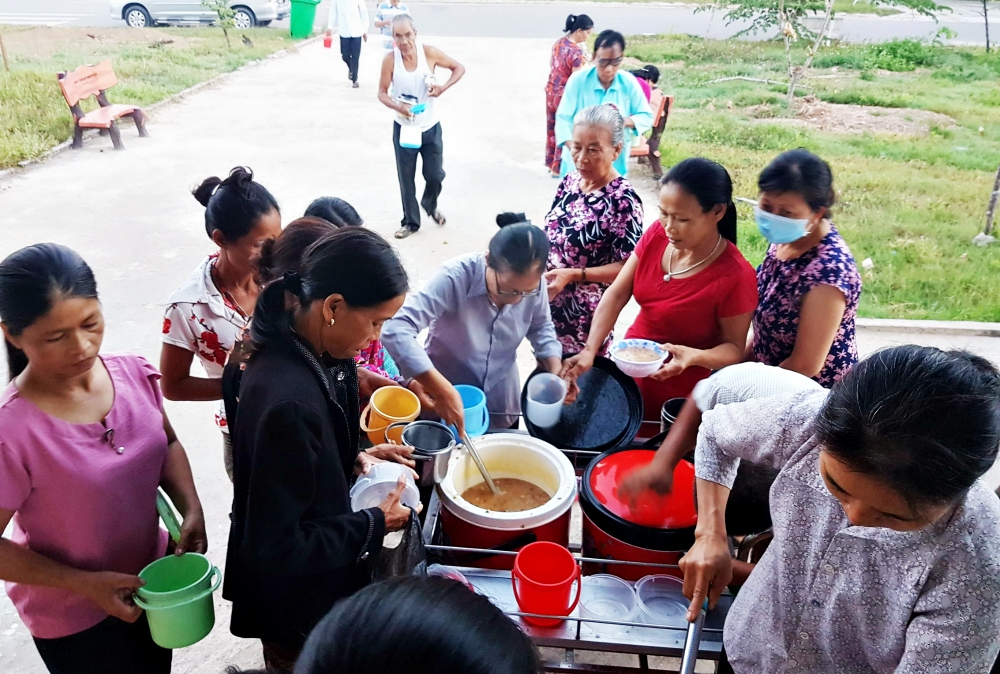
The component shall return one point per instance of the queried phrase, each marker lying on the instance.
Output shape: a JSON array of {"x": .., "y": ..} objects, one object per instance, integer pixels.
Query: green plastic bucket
[
  {"x": 174, "y": 579},
  {"x": 303, "y": 18},
  {"x": 179, "y": 608}
]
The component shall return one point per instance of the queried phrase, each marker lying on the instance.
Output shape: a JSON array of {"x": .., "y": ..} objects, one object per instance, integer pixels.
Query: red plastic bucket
[{"x": 546, "y": 573}]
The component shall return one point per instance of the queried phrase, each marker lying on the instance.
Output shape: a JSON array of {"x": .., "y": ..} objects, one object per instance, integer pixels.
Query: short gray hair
[
  {"x": 604, "y": 115},
  {"x": 403, "y": 18}
]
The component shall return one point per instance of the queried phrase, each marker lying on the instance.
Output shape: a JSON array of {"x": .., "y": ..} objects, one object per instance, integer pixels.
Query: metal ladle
[{"x": 467, "y": 441}]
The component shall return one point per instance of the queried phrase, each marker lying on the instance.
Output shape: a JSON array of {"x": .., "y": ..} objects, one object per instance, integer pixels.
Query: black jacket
[{"x": 294, "y": 544}]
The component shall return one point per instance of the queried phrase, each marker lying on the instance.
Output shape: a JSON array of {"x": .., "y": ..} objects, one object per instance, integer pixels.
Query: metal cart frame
[{"x": 573, "y": 634}]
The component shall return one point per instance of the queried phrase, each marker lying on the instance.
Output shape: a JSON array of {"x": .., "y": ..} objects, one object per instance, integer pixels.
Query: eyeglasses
[
  {"x": 515, "y": 293},
  {"x": 604, "y": 63}
]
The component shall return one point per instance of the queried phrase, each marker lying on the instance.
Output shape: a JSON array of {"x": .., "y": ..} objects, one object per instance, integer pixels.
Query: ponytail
[
  {"x": 727, "y": 225},
  {"x": 270, "y": 317},
  {"x": 16, "y": 360}
]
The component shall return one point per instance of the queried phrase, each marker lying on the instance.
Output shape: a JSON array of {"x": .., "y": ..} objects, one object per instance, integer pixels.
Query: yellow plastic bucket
[{"x": 389, "y": 404}]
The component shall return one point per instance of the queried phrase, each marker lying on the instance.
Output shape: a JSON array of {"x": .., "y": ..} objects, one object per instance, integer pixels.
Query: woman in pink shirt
[{"x": 84, "y": 444}]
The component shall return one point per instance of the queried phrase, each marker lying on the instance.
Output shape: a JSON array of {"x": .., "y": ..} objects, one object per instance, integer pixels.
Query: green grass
[
  {"x": 911, "y": 204},
  {"x": 34, "y": 116}
]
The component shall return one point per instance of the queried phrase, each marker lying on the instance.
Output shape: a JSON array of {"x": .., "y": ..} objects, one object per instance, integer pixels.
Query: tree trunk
[
  {"x": 226, "y": 33},
  {"x": 3, "y": 51},
  {"x": 986, "y": 22},
  {"x": 991, "y": 209},
  {"x": 801, "y": 70}
]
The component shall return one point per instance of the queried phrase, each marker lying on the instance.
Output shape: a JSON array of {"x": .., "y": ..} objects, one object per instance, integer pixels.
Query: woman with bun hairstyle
[
  {"x": 479, "y": 308},
  {"x": 808, "y": 283},
  {"x": 207, "y": 314},
  {"x": 696, "y": 292},
  {"x": 568, "y": 56},
  {"x": 84, "y": 444},
  {"x": 296, "y": 546}
]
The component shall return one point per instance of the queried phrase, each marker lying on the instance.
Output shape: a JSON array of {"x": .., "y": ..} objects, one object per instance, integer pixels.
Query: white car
[{"x": 147, "y": 13}]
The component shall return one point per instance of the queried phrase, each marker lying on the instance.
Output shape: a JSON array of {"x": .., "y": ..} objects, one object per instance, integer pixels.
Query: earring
[{"x": 332, "y": 322}]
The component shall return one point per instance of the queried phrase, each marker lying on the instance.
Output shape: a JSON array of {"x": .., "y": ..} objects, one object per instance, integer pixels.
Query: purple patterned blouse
[
  {"x": 782, "y": 284},
  {"x": 588, "y": 230}
]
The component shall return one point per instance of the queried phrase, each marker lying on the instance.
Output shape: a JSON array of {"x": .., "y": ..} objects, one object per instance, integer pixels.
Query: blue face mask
[{"x": 777, "y": 228}]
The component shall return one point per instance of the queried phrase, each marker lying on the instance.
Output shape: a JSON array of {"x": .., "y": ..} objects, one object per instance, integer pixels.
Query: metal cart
[{"x": 688, "y": 641}]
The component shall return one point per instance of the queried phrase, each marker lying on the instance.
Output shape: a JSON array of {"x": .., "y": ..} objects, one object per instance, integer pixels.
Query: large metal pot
[{"x": 432, "y": 443}]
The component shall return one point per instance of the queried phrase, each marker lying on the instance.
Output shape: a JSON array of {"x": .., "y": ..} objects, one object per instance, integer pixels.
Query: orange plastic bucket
[
  {"x": 388, "y": 405},
  {"x": 546, "y": 573}
]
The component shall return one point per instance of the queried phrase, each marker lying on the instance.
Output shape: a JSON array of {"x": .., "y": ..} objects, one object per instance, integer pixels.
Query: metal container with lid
[{"x": 659, "y": 530}]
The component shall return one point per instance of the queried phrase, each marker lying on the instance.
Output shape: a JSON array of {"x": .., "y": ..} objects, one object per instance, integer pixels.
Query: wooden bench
[
  {"x": 661, "y": 104},
  {"x": 87, "y": 81}
]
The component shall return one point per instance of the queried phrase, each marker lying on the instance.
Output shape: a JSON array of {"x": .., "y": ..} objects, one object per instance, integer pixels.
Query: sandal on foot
[
  {"x": 438, "y": 217},
  {"x": 404, "y": 232}
]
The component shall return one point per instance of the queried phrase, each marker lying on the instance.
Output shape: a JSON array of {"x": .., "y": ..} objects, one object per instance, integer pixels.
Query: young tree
[
  {"x": 787, "y": 17},
  {"x": 226, "y": 16},
  {"x": 986, "y": 23}
]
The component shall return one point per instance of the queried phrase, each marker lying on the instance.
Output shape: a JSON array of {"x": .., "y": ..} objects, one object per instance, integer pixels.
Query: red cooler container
[{"x": 660, "y": 530}]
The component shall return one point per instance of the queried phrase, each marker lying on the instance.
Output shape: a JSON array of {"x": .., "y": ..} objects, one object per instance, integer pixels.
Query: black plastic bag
[{"x": 409, "y": 558}]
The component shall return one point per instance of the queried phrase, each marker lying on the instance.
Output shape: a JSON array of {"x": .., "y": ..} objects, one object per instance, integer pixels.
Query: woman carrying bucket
[
  {"x": 479, "y": 308},
  {"x": 84, "y": 444},
  {"x": 295, "y": 546}
]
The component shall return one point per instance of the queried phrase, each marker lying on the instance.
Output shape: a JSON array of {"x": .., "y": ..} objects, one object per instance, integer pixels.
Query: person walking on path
[
  {"x": 568, "y": 56},
  {"x": 351, "y": 19},
  {"x": 409, "y": 70},
  {"x": 384, "y": 14},
  {"x": 603, "y": 82}
]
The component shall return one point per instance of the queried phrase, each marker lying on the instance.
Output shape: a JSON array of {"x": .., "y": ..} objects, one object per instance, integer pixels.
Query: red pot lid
[{"x": 675, "y": 510}]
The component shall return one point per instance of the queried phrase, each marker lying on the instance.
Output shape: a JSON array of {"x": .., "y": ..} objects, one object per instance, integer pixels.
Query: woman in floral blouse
[
  {"x": 207, "y": 314},
  {"x": 593, "y": 226},
  {"x": 567, "y": 57},
  {"x": 808, "y": 283}
]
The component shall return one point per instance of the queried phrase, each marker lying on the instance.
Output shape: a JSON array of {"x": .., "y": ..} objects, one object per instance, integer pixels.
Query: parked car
[{"x": 147, "y": 13}]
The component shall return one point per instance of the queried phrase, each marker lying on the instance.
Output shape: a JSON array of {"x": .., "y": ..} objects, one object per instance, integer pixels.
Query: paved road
[{"x": 527, "y": 20}]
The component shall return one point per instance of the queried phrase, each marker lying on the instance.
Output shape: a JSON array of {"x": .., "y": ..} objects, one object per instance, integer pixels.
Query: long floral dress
[
  {"x": 567, "y": 56},
  {"x": 783, "y": 284},
  {"x": 588, "y": 230}
]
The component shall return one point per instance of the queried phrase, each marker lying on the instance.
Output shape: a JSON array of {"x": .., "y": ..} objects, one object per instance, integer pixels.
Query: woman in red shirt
[{"x": 695, "y": 290}]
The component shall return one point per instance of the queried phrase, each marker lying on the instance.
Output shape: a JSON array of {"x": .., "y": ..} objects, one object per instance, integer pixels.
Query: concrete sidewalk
[{"x": 306, "y": 133}]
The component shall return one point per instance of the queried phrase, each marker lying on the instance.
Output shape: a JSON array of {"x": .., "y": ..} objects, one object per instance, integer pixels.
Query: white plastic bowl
[
  {"x": 371, "y": 489},
  {"x": 607, "y": 598},
  {"x": 632, "y": 368}
]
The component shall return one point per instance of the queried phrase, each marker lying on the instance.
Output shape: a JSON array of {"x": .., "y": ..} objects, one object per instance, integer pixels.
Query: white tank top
[{"x": 406, "y": 83}]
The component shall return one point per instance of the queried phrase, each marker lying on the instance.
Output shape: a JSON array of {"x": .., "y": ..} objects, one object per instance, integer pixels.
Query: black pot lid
[
  {"x": 663, "y": 523},
  {"x": 606, "y": 414}
]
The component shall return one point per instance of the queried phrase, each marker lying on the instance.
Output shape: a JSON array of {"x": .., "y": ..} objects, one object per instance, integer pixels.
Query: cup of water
[{"x": 546, "y": 393}]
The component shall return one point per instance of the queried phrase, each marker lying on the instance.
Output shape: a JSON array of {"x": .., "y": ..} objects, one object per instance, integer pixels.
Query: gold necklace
[{"x": 670, "y": 259}]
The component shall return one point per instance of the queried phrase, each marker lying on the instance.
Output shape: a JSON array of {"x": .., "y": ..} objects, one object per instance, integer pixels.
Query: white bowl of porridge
[{"x": 638, "y": 357}]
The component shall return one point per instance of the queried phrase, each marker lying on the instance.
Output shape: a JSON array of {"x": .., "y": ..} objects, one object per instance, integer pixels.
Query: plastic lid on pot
[{"x": 658, "y": 522}]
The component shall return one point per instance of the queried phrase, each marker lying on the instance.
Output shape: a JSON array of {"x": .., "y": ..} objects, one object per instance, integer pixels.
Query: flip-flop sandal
[
  {"x": 438, "y": 218},
  {"x": 404, "y": 232}
]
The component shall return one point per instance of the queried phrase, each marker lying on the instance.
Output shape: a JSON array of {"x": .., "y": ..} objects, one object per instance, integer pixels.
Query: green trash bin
[{"x": 303, "y": 18}]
